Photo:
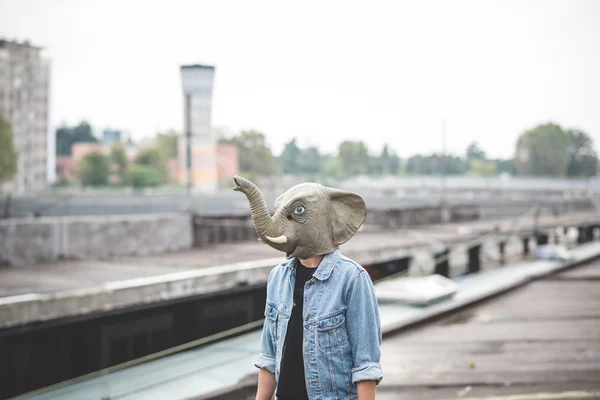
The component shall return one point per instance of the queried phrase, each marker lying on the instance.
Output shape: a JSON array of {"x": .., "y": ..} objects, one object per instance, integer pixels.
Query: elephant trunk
[{"x": 258, "y": 207}]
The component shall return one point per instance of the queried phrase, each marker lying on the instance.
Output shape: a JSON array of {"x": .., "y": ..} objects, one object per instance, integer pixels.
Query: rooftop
[
  {"x": 538, "y": 342},
  {"x": 541, "y": 337},
  {"x": 25, "y": 43},
  {"x": 197, "y": 66},
  {"x": 69, "y": 288}
]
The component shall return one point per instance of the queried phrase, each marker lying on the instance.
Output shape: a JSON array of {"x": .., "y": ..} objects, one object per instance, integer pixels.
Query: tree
[
  {"x": 387, "y": 163},
  {"x": 505, "y": 166},
  {"x": 143, "y": 176},
  {"x": 290, "y": 158},
  {"x": 311, "y": 161},
  {"x": 581, "y": 157},
  {"x": 432, "y": 165},
  {"x": 474, "y": 152},
  {"x": 353, "y": 158},
  {"x": 542, "y": 151},
  {"x": 255, "y": 156},
  {"x": 66, "y": 136},
  {"x": 154, "y": 158},
  {"x": 94, "y": 169},
  {"x": 167, "y": 144},
  {"x": 482, "y": 168},
  {"x": 424, "y": 165},
  {"x": 333, "y": 168},
  {"x": 455, "y": 165},
  {"x": 63, "y": 141},
  {"x": 295, "y": 160},
  {"x": 8, "y": 154},
  {"x": 119, "y": 158}
]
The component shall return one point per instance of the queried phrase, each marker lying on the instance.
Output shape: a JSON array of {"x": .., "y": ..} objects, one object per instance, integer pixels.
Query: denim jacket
[{"x": 342, "y": 330}]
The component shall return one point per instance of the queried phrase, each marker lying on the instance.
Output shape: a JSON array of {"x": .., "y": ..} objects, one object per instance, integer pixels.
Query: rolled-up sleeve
[
  {"x": 266, "y": 359},
  {"x": 364, "y": 330}
]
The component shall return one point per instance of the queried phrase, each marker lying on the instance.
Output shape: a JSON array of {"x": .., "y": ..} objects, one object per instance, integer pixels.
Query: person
[{"x": 321, "y": 338}]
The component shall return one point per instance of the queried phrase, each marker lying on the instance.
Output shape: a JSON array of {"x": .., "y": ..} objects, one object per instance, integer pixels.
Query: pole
[
  {"x": 188, "y": 146},
  {"x": 443, "y": 207},
  {"x": 443, "y": 164}
]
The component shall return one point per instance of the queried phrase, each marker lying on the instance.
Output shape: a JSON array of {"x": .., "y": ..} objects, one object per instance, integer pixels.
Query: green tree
[
  {"x": 255, "y": 156},
  {"x": 432, "y": 165},
  {"x": 290, "y": 158},
  {"x": 311, "y": 161},
  {"x": 167, "y": 143},
  {"x": 333, "y": 168},
  {"x": 505, "y": 166},
  {"x": 119, "y": 158},
  {"x": 387, "y": 163},
  {"x": 66, "y": 136},
  {"x": 94, "y": 169},
  {"x": 295, "y": 160},
  {"x": 542, "y": 151},
  {"x": 474, "y": 152},
  {"x": 482, "y": 168},
  {"x": 154, "y": 158},
  {"x": 424, "y": 165},
  {"x": 581, "y": 157},
  {"x": 353, "y": 157},
  {"x": 140, "y": 176},
  {"x": 8, "y": 154}
]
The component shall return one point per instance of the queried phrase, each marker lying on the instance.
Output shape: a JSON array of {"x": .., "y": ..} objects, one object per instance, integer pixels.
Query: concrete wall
[{"x": 24, "y": 241}]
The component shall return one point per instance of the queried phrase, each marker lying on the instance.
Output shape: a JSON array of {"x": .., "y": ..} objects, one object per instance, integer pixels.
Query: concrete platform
[
  {"x": 508, "y": 345},
  {"x": 53, "y": 290},
  {"x": 539, "y": 342}
]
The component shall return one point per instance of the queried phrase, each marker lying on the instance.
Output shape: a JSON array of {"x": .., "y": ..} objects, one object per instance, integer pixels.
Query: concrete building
[
  {"x": 227, "y": 162},
  {"x": 24, "y": 101},
  {"x": 66, "y": 169},
  {"x": 81, "y": 149},
  {"x": 197, "y": 84}
]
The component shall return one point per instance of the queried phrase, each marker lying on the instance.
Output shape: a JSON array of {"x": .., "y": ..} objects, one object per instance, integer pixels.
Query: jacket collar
[{"x": 325, "y": 267}]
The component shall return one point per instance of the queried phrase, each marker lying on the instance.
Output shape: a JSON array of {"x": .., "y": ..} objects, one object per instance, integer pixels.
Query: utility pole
[
  {"x": 188, "y": 147},
  {"x": 443, "y": 206}
]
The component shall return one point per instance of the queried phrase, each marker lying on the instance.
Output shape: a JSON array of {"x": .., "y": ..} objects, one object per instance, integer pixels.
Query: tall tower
[
  {"x": 197, "y": 145},
  {"x": 24, "y": 100}
]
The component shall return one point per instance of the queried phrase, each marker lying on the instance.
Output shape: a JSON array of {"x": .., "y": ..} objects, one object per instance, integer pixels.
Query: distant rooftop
[
  {"x": 190, "y": 66},
  {"x": 25, "y": 43}
]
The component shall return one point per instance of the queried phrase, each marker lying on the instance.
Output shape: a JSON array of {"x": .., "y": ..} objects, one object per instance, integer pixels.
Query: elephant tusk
[{"x": 278, "y": 239}]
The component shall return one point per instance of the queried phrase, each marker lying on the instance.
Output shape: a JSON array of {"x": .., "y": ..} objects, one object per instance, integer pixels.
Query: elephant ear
[{"x": 348, "y": 214}]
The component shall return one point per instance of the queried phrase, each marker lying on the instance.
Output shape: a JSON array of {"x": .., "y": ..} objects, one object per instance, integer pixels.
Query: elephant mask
[{"x": 309, "y": 220}]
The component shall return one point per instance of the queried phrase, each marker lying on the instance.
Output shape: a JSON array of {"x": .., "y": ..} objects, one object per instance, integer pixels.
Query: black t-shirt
[{"x": 292, "y": 384}]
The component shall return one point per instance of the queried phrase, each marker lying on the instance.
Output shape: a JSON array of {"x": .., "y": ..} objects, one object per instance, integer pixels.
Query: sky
[{"x": 325, "y": 71}]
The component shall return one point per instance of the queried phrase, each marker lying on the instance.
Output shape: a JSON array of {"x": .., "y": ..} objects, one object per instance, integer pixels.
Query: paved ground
[
  {"x": 64, "y": 275},
  {"x": 541, "y": 341}
]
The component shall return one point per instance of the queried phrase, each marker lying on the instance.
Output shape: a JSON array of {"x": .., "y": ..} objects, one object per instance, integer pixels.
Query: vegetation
[
  {"x": 67, "y": 136},
  {"x": 8, "y": 154},
  {"x": 94, "y": 169},
  {"x": 255, "y": 156},
  {"x": 545, "y": 150},
  {"x": 153, "y": 157},
  {"x": 167, "y": 144},
  {"x": 118, "y": 157},
  {"x": 140, "y": 176},
  {"x": 548, "y": 150}
]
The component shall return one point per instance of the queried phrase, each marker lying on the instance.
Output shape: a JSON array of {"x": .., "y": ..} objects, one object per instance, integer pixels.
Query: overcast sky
[{"x": 325, "y": 71}]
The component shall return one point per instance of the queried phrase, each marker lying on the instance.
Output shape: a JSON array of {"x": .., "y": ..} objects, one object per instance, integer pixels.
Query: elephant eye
[{"x": 299, "y": 210}]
